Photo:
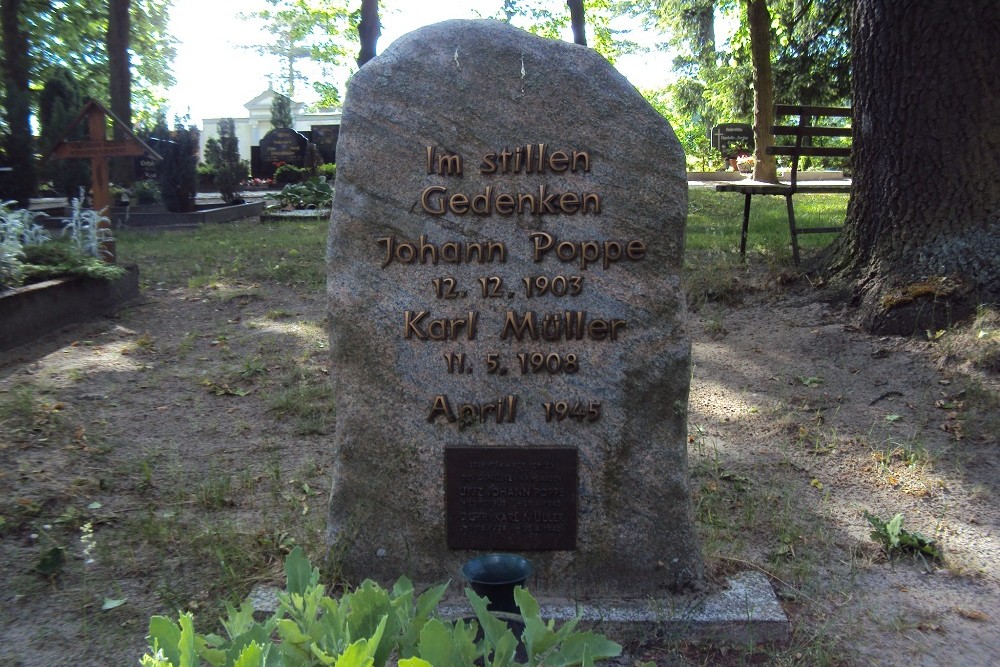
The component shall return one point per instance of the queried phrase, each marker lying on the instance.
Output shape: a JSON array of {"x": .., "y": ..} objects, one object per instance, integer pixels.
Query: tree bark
[
  {"x": 120, "y": 81},
  {"x": 578, "y": 21},
  {"x": 759, "y": 20},
  {"x": 368, "y": 31},
  {"x": 20, "y": 184},
  {"x": 921, "y": 246}
]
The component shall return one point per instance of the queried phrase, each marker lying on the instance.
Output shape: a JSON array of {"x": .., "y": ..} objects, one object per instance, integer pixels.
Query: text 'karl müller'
[{"x": 568, "y": 325}]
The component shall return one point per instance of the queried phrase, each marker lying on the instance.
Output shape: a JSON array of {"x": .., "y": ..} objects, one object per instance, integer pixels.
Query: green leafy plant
[
  {"x": 145, "y": 192},
  {"x": 55, "y": 260},
  {"x": 313, "y": 193},
  {"x": 288, "y": 173},
  {"x": 18, "y": 230},
  {"x": 28, "y": 254},
  {"x": 328, "y": 171},
  {"x": 364, "y": 627},
  {"x": 84, "y": 229},
  {"x": 207, "y": 175},
  {"x": 897, "y": 540}
]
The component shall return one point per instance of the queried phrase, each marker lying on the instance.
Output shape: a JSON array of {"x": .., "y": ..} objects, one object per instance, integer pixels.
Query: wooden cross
[{"x": 99, "y": 148}]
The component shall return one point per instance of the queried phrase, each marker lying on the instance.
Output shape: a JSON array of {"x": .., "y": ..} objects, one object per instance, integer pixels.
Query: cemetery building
[{"x": 257, "y": 124}]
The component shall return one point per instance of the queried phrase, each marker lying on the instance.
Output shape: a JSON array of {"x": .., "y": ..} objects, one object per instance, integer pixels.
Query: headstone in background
[
  {"x": 146, "y": 168},
  {"x": 509, "y": 354},
  {"x": 733, "y": 138},
  {"x": 281, "y": 144},
  {"x": 325, "y": 138},
  {"x": 256, "y": 169}
]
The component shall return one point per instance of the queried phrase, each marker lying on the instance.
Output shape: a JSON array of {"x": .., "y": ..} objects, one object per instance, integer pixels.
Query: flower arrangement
[
  {"x": 745, "y": 163},
  {"x": 258, "y": 183}
]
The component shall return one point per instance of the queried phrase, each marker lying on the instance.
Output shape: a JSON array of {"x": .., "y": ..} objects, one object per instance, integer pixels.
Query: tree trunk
[
  {"x": 20, "y": 184},
  {"x": 120, "y": 81},
  {"x": 368, "y": 30},
  {"x": 759, "y": 20},
  {"x": 922, "y": 242},
  {"x": 578, "y": 21}
]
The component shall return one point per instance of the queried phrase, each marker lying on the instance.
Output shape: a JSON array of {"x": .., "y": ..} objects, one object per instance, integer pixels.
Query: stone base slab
[{"x": 745, "y": 610}]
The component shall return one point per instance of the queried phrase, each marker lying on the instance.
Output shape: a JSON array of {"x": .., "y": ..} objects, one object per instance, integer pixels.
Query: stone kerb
[{"x": 503, "y": 261}]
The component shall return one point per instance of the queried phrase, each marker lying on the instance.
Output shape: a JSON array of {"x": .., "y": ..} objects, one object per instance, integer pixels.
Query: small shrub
[
  {"x": 327, "y": 171},
  {"x": 288, "y": 173},
  {"x": 85, "y": 231},
  {"x": 206, "y": 176},
  {"x": 18, "y": 230},
  {"x": 230, "y": 170},
  {"x": 145, "y": 192},
  {"x": 28, "y": 254},
  {"x": 178, "y": 170}
]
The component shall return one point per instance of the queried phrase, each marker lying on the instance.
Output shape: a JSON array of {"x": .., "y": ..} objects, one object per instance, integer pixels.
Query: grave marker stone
[
  {"x": 325, "y": 138},
  {"x": 146, "y": 168},
  {"x": 281, "y": 144},
  {"x": 509, "y": 358},
  {"x": 728, "y": 137}
]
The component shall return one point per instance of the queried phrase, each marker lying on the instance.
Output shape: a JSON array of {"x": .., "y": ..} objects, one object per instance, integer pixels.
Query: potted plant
[{"x": 745, "y": 163}]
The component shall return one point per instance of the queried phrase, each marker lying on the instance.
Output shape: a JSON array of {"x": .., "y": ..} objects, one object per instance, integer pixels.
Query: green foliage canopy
[
  {"x": 323, "y": 32},
  {"x": 72, "y": 35}
]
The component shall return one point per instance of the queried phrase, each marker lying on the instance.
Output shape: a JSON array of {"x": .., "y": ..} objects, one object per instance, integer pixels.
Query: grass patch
[
  {"x": 310, "y": 405},
  {"x": 714, "y": 220},
  {"x": 713, "y": 271},
  {"x": 286, "y": 252}
]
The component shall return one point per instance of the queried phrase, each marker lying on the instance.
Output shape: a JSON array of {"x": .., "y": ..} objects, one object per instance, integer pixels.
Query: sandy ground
[{"x": 799, "y": 423}]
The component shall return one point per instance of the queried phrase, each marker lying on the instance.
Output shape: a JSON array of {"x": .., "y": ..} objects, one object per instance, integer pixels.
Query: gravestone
[
  {"x": 325, "y": 138},
  {"x": 146, "y": 168},
  {"x": 281, "y": 144},
  {"x": 732, "y": 138},
  {"x": 509, "y": 355}
]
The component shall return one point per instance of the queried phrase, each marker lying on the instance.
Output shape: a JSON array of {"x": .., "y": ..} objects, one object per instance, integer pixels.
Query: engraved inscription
[
  {"x": 501, "y": 411},
  {"x": 495, "y": 291},
  {"x": 436, "y": 201},
  {"x": 450, "y": 252},
  {"x": 568, "y": 325},
  {"x": 586, "y": 252},
  {"x": 518, "y": 498},
  {"x": 532, "y": 159},
  {"x": 417, "y": 324}
]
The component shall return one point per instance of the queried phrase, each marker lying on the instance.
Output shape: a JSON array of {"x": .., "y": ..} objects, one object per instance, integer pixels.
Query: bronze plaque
[{"x": 511, "y": 498}]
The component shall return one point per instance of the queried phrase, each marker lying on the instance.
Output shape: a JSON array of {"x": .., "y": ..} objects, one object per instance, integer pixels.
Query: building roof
[{"x": 263, "y": 101}]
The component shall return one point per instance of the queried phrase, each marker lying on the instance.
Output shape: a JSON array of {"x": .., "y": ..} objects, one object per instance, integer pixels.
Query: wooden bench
[{"x": 799, "y": 131}]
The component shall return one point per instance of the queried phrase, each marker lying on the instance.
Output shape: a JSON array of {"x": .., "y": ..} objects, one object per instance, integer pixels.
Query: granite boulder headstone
[{"x": 509, "y": 355}]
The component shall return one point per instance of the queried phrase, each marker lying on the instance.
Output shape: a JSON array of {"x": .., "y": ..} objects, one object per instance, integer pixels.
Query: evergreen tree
[
  {"x": 179, "y": 169},
  {"x": 230, "y": 170},
  {"x": 59, "y": 103},
  {"x": 281, "y": 111}
]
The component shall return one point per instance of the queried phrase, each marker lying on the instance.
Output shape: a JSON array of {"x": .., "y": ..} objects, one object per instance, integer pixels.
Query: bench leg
[
  {"x": 792, "y": 230},
  {"x": 746, "y": 224}
]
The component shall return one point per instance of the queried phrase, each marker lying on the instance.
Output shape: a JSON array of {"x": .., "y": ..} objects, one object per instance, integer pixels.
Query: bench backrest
[{"x": 804, "y": 128}]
